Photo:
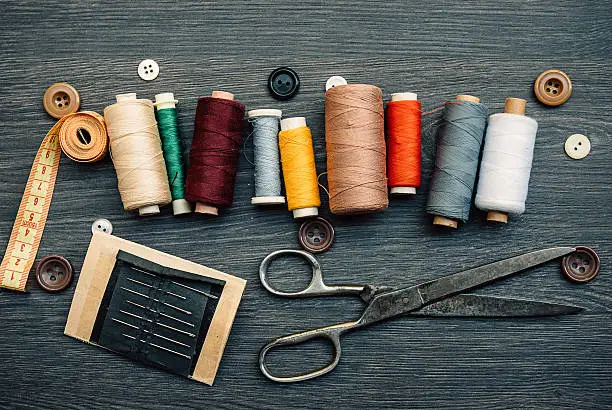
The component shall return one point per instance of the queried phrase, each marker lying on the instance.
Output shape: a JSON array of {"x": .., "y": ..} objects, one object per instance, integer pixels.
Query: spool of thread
[
  {"x": 403, "y": 123},
  {"x": 506, "y": 162},
  {"x": 265, "y": 125},
  {"x": 214, "y": 152},
  {"x": 167, "y": 123},
  {"x": 459, "y": 141},
  {"x": 137, "y": 154},
  {"x": 356, "y": 152},
  {"x": 297, "y": 158},
  {"x": 83, "y": 137}
]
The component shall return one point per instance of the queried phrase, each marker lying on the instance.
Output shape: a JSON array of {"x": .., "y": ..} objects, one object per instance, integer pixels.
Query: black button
[
  {"x": 581, "y": 266},
  {"x": 316, "y": 235},
  {"x": 54, "y": 273},
  {"x": 283, "y": 83}
]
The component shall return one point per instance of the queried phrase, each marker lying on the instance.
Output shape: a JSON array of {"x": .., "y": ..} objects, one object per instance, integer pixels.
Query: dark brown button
[
  {"x": 61, "y": 99},
  {"x": 580, "y": 266},
  {"x": 54, "y": 273},
  {"x": 552, "y": 87},
  {"x": 316, "y": 235}
]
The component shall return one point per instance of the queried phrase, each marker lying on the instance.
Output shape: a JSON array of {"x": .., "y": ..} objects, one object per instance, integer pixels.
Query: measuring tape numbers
[{"x": 82, "y": 136}]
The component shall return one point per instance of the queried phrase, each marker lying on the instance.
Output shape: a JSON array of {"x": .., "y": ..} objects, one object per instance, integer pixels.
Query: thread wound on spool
[
  {"x": 214, "y": 151},
  {"x": 300, "y": 174},
  {"x": 265, "y": 128},
  {"x": 83, "y": 137},
  {"x": 506, "y": 163},
  {"x": 167, "y": 123},
  {"x": 136, "y": 153},
  {"x": 403, "y": 121},
  {"x": 356, "y": 152},
  {"x": 459, "y": 141}
]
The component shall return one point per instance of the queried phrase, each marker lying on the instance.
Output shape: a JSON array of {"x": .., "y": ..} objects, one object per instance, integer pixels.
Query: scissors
[{"x": 438, "y": 297}]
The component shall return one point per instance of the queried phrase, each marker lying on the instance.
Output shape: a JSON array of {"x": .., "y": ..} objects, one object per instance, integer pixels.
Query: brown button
[
  {"x": 552, "y": 87},
  {"x": 580, "y": 266},
  {"x": 61, "y": 99},
  {"x": 316, "y": 235},
  {"x": 54, "y": 273}
]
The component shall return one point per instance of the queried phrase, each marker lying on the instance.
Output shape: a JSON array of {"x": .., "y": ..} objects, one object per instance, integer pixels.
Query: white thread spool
[
  {"x": 506, "y": 162},
  {"x": 148, "y": 209},
  {"x": 289, "y": 124},
  {"x": 201, "y": 207},
  {"x": 267, "y": 200},
  {"x": 403, "y": 190}
]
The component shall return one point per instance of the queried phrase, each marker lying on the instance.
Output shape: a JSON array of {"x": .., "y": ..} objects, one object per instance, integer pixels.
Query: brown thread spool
[
  {"x": 443, "y": 220},
  {"x": 513, "y": 106},
  {"x": 201, "y": 207}
]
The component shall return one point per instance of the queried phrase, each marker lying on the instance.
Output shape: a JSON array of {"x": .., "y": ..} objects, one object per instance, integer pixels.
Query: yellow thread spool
[{"x": 299, "y": 172}]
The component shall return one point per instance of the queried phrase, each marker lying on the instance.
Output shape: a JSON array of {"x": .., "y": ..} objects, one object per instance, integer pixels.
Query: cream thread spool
[
  {"x": 146, "y": 210},
  {"x": 201, "y": 207},
  {"x": 439, "y": 219},
  {"x": 267, "y": 200},
  {"x": 289, "y": 124},
  {"x": 513, "y": 107},
  {"x": 403, "y": 190}
]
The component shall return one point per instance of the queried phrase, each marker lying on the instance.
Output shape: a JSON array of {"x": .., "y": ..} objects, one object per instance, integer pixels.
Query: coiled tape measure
[{"x": 32, "y": 215}]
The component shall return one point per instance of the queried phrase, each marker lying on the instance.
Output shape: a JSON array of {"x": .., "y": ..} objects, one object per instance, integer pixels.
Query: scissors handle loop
[
  {"x": 331, "y": 333},
  {"x": 316, "y": 287}
]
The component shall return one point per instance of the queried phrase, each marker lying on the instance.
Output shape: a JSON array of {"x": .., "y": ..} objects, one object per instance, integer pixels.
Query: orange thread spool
[{"x": 403, "y": 121}]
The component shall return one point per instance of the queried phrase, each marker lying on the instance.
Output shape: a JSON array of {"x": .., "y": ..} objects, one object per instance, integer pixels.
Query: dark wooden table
[{"x": 439, "y": 49}]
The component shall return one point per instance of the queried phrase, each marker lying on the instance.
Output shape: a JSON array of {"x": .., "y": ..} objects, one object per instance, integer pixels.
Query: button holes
[
  {"x": 49, "y": 271},
  {"x": 547, "y": 90},
  {"x": 554, "y": 91},
  {"x": 317, "y": 240},
  {"x": 585, "y": 262},
  {"x": 58, "y": 99},
  {"x": 581, "y": 269},
  {"x": 575, "y": 148},
  {"x": 580, "y": 143},
  {"x": 150, "y": 66},
  {"x": 322, "y": 235},
  {"x": 60, "y": 105},
  {"x": 99, "y": 226},
  {"x": 549, "y": 83},
  {"x": 310, "y": 235},
  {"x": 280, "y": 81},
  {"x": 574, "y": 265},
  {"x": 60, "y": 274},
  {"x": 578, "y": 258},
  {"x": 53, "y": 278}
]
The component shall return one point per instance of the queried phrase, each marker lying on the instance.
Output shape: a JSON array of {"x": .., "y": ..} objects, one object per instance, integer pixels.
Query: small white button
[
  {"x": 577, "y": 146},
  {"x": 148, "y": 70},
  {"x": 334, "y": 81},
  {"x": 102, "y": 225}
]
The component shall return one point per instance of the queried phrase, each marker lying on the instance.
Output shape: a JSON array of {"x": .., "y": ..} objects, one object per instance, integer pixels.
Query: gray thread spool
[
  {"x": 460, "y": 139},
  {"x": 265, "y": 126}
]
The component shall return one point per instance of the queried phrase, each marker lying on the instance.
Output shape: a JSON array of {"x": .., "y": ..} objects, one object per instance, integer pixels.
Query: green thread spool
[{"x": 167, "y": 123}]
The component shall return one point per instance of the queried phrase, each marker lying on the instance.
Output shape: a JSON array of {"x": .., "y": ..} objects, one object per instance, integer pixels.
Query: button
[
  {"x": 334, "y": 81},
  {"x": 580, "y": 266},
  {"x": 316, "y": 235},
  {"x": 577, "y": 146},
  {"x": 61, "y": 99},
  {"x": 102, "y": 225},
  {"x": 552, "y": 87},
  {"x": 148, "y": 70},
  {"x": 54, "y": 273},
  {"x": 283, "y": 83}
]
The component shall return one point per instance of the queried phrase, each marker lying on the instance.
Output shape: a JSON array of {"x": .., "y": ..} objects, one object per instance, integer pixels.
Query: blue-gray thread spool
[
  {"x": 265, "y": 127},
  {"x": 459, "y": 142}
]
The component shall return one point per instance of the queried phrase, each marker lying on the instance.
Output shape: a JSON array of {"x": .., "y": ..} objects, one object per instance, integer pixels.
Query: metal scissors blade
[{"x": 386, "y": 305}]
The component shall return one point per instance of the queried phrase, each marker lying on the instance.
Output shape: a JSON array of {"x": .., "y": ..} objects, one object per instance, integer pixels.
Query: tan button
[
  {"x": 61, "y": 99},
  {"x": 577, "y": 146},
  {"x": 552, "y": 87}
]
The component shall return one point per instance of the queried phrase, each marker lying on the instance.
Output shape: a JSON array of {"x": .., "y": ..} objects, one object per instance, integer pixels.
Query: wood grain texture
[{"x": 438, "y": 49}]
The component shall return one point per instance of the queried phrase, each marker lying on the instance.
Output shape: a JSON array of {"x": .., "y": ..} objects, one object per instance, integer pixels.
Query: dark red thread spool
[
  {"x": 214, "y": 152},
  {"x": 403, "y": 122}
]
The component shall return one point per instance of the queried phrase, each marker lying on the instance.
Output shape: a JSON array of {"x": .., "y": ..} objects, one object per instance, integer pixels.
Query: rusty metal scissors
[{"x": 438, "y": 297}]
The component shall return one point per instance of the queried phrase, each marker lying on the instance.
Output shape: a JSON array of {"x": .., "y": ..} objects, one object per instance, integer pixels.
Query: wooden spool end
[
  {"x": 515, "y": 106},
  {"x": 467, "y": 97},
  {"x": 201, "y": 207},
  {"x": 444, "y": 221},
  {"x": 497, "y": 216}
]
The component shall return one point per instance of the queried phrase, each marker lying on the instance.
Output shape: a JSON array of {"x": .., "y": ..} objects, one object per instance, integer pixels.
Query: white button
[
  {"x": 102, "y": 225},
  {"x": 148, "y": 70},
  {"x": 577, "y": 146},
  {"x": 334, "y": 81}
]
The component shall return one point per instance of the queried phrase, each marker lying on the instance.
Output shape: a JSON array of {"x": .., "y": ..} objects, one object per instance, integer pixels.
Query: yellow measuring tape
[{"x": 82, "y": 136}]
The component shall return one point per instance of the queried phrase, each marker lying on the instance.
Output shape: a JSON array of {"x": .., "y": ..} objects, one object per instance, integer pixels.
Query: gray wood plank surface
[{"x": 438, "y": 49}]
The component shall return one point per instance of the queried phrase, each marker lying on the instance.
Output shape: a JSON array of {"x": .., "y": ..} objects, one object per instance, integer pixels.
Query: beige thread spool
[
  {"x": 513, "y": 106},
  {"x": 443, "y": 220},
  {"x": 162, "y": 195},
  {"x": 201, "y": 207}
]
